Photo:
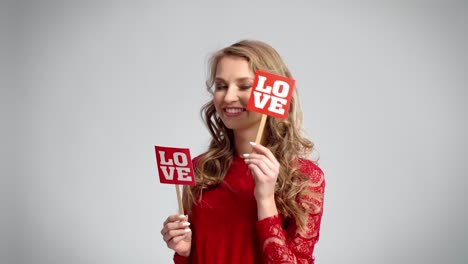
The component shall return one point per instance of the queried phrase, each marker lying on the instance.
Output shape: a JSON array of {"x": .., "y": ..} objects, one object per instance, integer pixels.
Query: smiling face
[{"x": 232, "y": 86}]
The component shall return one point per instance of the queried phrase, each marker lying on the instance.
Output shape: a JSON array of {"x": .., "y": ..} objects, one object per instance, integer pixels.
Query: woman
[{"x": 252, "y": 203}]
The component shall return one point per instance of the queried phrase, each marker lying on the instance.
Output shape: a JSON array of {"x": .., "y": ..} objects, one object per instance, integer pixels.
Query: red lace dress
[{"x": 225, "y": 228}]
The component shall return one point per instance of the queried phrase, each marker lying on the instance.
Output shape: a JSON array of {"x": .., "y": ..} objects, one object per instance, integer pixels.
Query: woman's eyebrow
[{"x": 237, "y": 80}]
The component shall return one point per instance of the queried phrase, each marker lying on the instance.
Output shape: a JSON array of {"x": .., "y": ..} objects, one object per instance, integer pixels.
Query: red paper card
[
  {"x": 174, "y": 165},
  {"x": 271, "y": 94}
]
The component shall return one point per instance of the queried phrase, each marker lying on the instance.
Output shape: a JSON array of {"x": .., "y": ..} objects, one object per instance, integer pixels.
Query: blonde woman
[{"x": 252, "y": 203}]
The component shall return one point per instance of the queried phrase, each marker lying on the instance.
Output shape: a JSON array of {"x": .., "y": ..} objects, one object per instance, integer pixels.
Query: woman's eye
[
  {"x": 220, "y": 87},
  {"x": 246, "y": 86}
]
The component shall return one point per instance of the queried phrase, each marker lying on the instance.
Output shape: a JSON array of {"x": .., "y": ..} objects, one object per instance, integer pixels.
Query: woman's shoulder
[
  {"x": 196, "y": 160},
  {"x": 311, "y": 169}
]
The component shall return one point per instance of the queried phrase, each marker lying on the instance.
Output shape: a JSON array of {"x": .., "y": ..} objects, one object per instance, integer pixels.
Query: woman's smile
[{"x": 233, "y": 111}]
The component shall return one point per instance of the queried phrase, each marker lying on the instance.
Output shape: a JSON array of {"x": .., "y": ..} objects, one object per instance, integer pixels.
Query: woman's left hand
[{"x": 265, "y": 169}]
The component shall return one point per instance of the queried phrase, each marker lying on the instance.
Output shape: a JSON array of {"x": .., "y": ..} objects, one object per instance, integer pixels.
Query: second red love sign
[{"x": 271, "y": 94}]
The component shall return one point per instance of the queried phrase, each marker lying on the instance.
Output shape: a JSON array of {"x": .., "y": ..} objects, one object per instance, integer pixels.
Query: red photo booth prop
[
  {"x": 271, "y": 94},
  {"x": 174, "y": 165}
]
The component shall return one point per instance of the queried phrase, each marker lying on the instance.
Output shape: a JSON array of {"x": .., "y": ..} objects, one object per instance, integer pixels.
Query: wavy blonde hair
[{"x": 283, "y": 137}]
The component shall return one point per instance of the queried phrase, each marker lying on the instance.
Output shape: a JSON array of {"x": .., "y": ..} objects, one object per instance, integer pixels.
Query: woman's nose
[{"x": 231, "y": 94}]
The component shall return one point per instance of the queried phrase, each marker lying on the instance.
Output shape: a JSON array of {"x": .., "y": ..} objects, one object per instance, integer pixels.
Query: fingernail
[
  {"x": 252, "y": 143},
  {"x": 246, "y": 160},
  {"x": 246, "y": 155},
  {"x": 185, "y": 223},
  {"x": 181, "y": 216},
  {"x": 187, "y": 230}
]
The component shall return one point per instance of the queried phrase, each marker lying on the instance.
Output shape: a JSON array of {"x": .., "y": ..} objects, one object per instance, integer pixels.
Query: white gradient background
[{"x": 91, "y": 86}]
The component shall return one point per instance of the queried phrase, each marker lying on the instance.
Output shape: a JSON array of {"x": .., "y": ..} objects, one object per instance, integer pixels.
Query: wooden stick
[
  {"x": 179, "y": 200},
  {"x": 258, "y": 139}
]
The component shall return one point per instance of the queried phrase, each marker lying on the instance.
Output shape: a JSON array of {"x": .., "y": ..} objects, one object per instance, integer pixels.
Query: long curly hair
[{"x": 284, "y": 138}]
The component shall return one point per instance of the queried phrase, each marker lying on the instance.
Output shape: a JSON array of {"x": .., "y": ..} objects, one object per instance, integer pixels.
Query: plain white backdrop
[{"x": 92, "y": 86}]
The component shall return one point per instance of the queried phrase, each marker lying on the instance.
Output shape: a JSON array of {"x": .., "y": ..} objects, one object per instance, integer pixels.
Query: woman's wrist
[
  {"x": 266, "y": 208},
  {"x": 183, "y": 254}
]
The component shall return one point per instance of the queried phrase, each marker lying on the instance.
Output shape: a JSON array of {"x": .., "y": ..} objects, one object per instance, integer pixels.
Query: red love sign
[
  {"x": 271, "y": 94},
  {"x": 174, "y": 165}
]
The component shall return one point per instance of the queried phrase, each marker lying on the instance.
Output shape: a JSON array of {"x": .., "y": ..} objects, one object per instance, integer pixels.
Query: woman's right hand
[{"x": 177, "y": 234}]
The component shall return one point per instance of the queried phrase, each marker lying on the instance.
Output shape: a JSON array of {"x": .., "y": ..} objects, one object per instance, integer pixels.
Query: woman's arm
[
  {"x": 178, "y": 259},
  {"x": 291, "y": 245}
]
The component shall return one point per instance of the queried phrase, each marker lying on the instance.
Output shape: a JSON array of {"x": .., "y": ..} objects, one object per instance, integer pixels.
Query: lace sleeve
[{"x": 283, "y": 242}]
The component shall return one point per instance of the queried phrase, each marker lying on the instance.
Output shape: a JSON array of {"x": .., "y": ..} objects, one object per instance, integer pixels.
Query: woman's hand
[
  {"x": 177, "y": 234},
  {"x": 265, "y": 169}
]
